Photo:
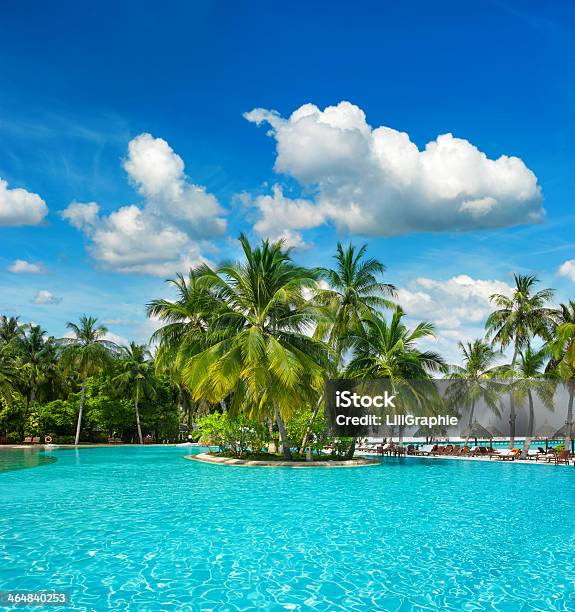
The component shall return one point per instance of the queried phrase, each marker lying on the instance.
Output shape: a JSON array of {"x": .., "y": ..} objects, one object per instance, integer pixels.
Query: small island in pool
[{"x": 275, "y": 460}]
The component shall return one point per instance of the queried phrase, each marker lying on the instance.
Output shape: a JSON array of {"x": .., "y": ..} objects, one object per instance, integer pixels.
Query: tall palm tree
[
  {"x": 388, "y": 350},
  {"x": 8, "y": 372},
  {"x": 354, "y": 293},
  {"x": 254, "y": 348},
  {"x": 87, "y": 352},
  {"x": 10, "y": 329},
  {"x": 563, "y": 351},
  {"x": 136, "y": 375},
  {"x": 36, "y": 361},
  {"x": 529, "y": 377},
  {"x": 517, "y": 320},
  {"x": 474, "y": 380}
]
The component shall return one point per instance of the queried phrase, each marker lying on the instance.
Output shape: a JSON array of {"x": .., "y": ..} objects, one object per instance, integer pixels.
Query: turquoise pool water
[{"x": 145, "y": 529}]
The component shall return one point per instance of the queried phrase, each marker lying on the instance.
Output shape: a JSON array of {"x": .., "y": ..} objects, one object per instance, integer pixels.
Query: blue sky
[{"x": 80, "y": 85}]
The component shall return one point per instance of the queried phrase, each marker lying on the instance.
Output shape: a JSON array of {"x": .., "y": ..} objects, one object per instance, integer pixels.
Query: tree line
[{"x": 256, "y": 339}]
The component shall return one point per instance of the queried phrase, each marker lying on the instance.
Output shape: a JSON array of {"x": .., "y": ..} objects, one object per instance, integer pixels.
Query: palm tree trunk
[
  {"x": 569, "y": 435},
  {"x": 512, "y": 415},
  {"x": 283, "y": 435},
  {"x": 530, "y": 424},
  {"x": 138, "y": 414},
  {"x": 351, "y": 450},
  {"x": 471, "y": 415},
  {"x": 28, "y": 409},
  {"x": 310, "y": 424},
  {"x": 79, "y": 425}
]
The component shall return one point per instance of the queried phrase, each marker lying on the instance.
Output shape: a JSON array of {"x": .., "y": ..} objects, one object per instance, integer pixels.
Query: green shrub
[
  {"x": 297, "y": 426},
  {"x": 236, "y": 434}
]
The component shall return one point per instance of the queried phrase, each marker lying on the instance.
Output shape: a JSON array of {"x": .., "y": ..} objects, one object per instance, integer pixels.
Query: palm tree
[
  {"x": 36, "y": 359},
  {"x": 528, "y": 377},
  {"x": 185, "y": 320},
  {"x": 563, "y": 351},
  {"x": 473, "y": 381},
  {"x": 354, "y": 293},
  {"x": 518, "y": 319},
  {"x": 86, "y": 352},
  {"x": 253, "y": 346},
  {"x": 137, "y": 375},
  {"x": 8, "y": 372},
  {"x": 388, "y": 350},
  {"x": 10, "y": 329},
  {"x": 383, "y": 349}
]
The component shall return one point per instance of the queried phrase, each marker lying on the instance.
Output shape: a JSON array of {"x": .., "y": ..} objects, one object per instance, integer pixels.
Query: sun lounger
[
  {"x": 35, "y": 440},
  {"x": 506, "y": 454},
  {"x": 385, "y": 449},
  {"x": 440, "y": 450},
  {"x": 562, "y": 457},
  {"x": 534, "y": 454},
  {"x": 427, "y": 449},
  {"x": 27, "y": 440},
  {"x": 547, "y": 457}
]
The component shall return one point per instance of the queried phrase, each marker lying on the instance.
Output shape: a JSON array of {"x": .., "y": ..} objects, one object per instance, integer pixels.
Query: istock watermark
[{"x": 450, "y": 407}]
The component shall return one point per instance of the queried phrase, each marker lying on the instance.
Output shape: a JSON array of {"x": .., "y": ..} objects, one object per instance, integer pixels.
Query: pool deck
[
  {"x": 367, "y": 458},
  {"x": 484, "y": 459},
  {"x": 358, "y": 462}
]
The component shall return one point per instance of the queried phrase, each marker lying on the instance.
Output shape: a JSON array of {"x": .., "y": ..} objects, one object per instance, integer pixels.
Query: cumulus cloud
[
  {"x": 158, "y": 174},
  {"x": 281, "y": 216},
  {"x": 21, "y": 266},
  {"x": 457, "y": 306},
  {"x": 376, "y": 181},
  {"x": 82, "y": 216},
  {"x": 452, "y": 303},
  {"x": 164, "y": 234},
  {"x": 567, "y": 269},
  {"x": 20, "y": 207},
  {"x": 45, "y": 297}
]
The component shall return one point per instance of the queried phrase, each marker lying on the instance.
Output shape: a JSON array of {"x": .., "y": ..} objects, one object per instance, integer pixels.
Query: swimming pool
[{"x": 145, "y": 529}]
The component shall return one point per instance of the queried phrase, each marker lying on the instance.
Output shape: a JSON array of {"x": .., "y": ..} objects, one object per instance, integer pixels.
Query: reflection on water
[{"x": 22, "y": 459}]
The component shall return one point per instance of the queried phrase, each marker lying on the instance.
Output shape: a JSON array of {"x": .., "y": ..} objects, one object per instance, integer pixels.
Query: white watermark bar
[{"x": 484, "y": 410}]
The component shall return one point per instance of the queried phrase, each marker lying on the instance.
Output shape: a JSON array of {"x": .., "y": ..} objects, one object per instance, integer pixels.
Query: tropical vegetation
[{"x": 242, "y": 354}]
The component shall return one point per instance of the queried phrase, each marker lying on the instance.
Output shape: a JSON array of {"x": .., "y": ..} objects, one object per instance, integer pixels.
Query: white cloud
[
  {"x": 116, "y": 339},
  {"x": 457, "y": 306},
  {"x": 567, "y": 269},
  {"x": 82, "y": 216},
  {"x": 158, "y": 174},
  {"x": 164, "y": 235},
  {"x": 45, "y": 297},
  {"x": 20, "y": 207},
  {"x": 21, "y": 266},
  {"x": 109, "y": 336},
  {"x": 378, "y": 182},
  {"x": 281, "y": 216}
]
